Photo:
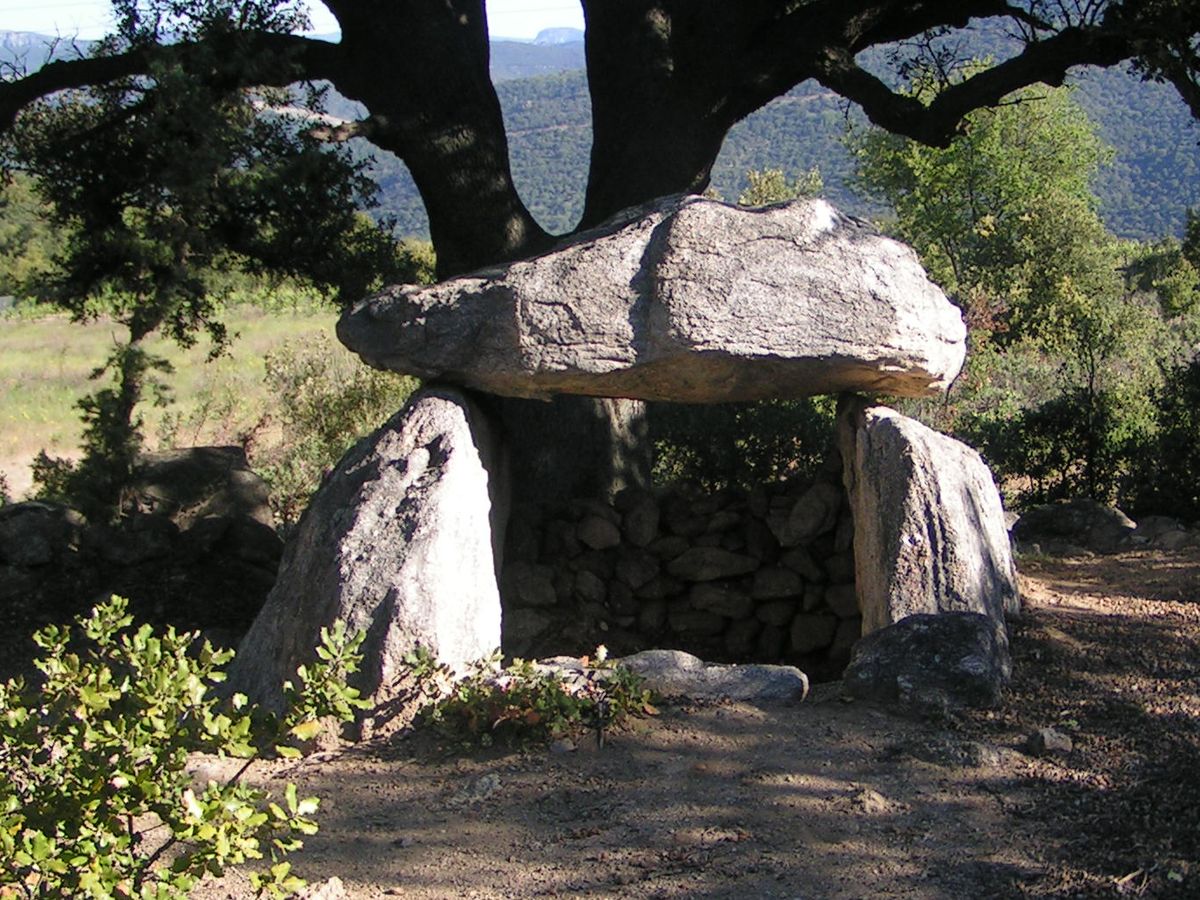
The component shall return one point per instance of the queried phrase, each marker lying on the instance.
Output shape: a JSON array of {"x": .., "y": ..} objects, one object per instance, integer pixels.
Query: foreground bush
[{"x": 95, "y": 798}]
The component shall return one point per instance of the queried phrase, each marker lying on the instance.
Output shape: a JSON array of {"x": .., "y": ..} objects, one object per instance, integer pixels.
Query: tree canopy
[{"x": 667, "y": 78}]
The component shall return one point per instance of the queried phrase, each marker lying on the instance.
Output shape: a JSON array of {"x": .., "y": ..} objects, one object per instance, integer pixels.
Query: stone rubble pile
[
  {"x": 196, "y": 546},
  {"x": 764, "y": 575}
]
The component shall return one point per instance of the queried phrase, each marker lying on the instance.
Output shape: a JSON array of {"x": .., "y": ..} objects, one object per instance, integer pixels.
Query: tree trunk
[
  {"x": 421, "y": 67},
  {"x": 571, "y": 447}
]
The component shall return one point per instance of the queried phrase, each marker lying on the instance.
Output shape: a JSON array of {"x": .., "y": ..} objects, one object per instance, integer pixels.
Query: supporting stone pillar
[
  {"x": 402, "y": 541},
  {"x": 929, "y": 532}
]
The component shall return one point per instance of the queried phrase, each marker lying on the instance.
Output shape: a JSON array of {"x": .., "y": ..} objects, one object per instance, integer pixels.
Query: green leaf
[{"x": 306, "y": 731}]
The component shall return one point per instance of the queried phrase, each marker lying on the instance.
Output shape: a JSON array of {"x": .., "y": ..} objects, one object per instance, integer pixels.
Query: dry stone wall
[{"x": 759, "y": 576}]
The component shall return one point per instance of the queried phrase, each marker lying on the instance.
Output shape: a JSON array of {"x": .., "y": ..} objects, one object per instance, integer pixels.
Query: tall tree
[
  {"x": 1006, "y": 222},
  {"x": 668, "y": 78},
  {"x": 158, "y": 191}
]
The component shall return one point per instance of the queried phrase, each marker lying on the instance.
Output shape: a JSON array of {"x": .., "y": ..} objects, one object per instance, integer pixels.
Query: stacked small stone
[{"x": 764, "y": 575}]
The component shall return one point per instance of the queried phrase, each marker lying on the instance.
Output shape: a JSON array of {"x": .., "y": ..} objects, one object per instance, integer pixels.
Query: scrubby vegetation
[
  {"x": 95, "y": 796},
  {"x": 526, "y": 702}
]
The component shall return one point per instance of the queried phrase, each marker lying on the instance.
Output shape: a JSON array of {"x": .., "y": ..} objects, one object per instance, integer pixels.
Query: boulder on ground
[
  {"x": 685, "y": 300},
  {"x": 932, "y": 663},
  {"x": 1081, "y": 523},
  {"x": 192, "y": 483},
  {"x": 929, "y": 525},
  {"x": 401, "y": 541},
  {"x": 674, "y": 673},
  {"x": 35, "y": 533}
]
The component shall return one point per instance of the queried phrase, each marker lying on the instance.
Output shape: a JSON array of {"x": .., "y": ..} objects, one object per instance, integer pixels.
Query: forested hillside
[{"x": 1153, "y": 179}]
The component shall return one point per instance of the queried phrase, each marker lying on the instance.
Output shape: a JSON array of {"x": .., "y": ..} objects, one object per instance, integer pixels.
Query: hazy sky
[{"x": 90, "y": 18}]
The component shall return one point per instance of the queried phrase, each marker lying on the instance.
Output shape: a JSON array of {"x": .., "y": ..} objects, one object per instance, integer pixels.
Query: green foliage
[
  {"x": 1003, "y": 218},
  {"x": 526, "y": 702},
  {"x": 95, "y": 797},
  {"x": 771, "y": 186},
  {"x": 1063, "y": 333},
  {"x": 28, "y": 243},
  {"x": 1167, "y": 268},
  {"x": 740, "y": 444},
  {"x": 1170, "y": 479},
  {"x": 326, "y": 400},
  {"x": 206, "y": 186},
  {"x": 5, "y": 496}
]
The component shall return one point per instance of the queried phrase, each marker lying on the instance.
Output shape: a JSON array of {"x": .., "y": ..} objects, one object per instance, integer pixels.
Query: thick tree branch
[
  {"x": 1044, "y": 61},
  {"x": 300, "y": 58},
  {"x": 337, "y": 131}
]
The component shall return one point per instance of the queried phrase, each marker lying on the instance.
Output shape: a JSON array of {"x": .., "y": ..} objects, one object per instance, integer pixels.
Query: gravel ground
[{"x": 822, "y": 799}]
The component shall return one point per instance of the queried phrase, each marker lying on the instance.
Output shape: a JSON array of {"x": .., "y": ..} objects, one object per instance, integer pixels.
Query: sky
[{"x": 521, "y": 19}]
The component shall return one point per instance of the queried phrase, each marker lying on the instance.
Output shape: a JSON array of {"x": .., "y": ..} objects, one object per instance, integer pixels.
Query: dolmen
[{"x": 687, "y": 300}]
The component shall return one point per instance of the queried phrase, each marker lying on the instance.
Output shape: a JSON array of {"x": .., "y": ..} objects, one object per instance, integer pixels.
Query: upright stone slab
[
  {"x": 401, "y": 541},
  {"x": 929, "y": 532},
  {"x": 687, "y": 300}
]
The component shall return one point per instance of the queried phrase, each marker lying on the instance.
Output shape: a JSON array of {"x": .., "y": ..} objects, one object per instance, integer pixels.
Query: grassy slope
[{"x": 45, "y": 363}]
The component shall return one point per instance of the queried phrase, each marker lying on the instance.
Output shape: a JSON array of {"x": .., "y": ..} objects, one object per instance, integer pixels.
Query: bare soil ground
[{"x": 822, "y": 799}]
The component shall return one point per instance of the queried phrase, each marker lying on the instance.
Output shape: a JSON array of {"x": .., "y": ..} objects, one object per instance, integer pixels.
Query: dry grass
[{"x": 45, "y": 365}]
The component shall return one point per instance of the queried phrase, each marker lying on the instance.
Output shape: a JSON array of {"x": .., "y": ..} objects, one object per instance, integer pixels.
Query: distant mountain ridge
[{"x": 1154, "y": 178}]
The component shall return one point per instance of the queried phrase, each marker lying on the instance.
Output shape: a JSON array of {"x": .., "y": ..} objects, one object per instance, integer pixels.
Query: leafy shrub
[
  {"x": 95, "y": 798},
  {"x": 524, "y": 702},
  {"x": 5, "y": 496},
  {"x": 740, "y": 444},
  {"x": 327, "y": 400},
  {"x": 1170, "y": 482}
]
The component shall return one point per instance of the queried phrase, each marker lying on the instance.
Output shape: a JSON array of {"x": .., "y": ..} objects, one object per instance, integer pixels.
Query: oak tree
[{"x": 667, "y": 79}]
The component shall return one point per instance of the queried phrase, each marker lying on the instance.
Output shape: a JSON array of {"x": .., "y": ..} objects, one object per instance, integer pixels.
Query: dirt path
[{"x": 825, "y": 799}]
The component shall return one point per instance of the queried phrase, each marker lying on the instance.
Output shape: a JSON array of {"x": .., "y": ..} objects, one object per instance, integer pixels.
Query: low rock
[
  {"x": 527, "y": 584},
  {"x": 621, "y": 600},
  {"x": 1047, "y": 741},
  {"x": 815, "y": 513},
  {"x": 811, "y": 633},
  {"x": 640, "y": 523},
  {"x": 523, "y": 625},
  {"x": 741, "y": 636},
  {"x": 776, "y": 612},
  {"x": 34, "y": 533},
  {"x": 696, "y": 621},
  {"x": 330, "y": 889},
  {"x": 1081, "y": 522},
  {"x": 598, "y": 533},
  {"x": 710, "y": 563},
  {"x": 193, "y": 483},
  {"x": 776, "y": 582},
  {"x": 842, "y": 600},
  {"x": 800, "y": 561},
  {"x": 590, "y": 587},
  {"x": 636, "y": 568},
  {"x": 721, "y": 599},
  {"x": 675, "y": 673},
  {"x": 932, "y": 663}
]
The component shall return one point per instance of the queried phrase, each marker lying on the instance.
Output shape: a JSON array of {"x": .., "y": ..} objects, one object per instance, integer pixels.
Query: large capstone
[
  {"x": 688, "y": 300},
  {"x": 929, "y": 530},
  {"x": 400, "y": 542}
]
